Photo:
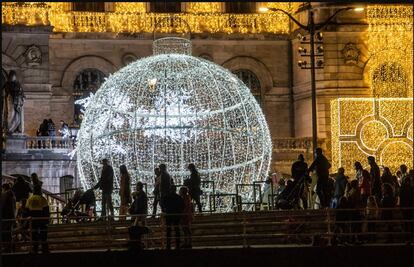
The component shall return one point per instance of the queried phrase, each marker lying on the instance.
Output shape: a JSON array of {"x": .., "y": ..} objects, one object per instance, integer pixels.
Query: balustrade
[{"x": 49, "y": 142}]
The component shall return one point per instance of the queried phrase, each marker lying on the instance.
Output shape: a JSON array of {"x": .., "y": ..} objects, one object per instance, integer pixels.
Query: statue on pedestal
[{"x": 13, "y": 105}]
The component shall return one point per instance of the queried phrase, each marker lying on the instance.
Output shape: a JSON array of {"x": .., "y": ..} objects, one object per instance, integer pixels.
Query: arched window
[
  {"x": 86, "y": 82},
  {"x": 251, "y": 81},
  {"x": 89, "y": 6},
  {"x": 389, "y": 80},
  {"x": 240, "y": 7},
  {"x": 165, "y": 7}
]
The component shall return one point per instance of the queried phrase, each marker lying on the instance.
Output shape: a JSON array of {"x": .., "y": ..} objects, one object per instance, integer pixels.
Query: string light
[
  {"x": 203, "y": 7},
  {"x": 380, "y": 127},
  {"x": 390, "y": 46},
  {"x": 176, "y": 109},
  {"x": 131, "y": 18},
  {"x": 130, "y": 7}
]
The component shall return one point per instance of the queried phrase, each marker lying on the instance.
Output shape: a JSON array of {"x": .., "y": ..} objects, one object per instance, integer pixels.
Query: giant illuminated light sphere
[{"x": 176, "y": 109}]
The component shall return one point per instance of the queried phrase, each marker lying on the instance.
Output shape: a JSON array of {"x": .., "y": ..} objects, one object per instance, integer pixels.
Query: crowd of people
[
  {"x": 177, "y": 207},
  {"x": 356, "y": 198},
  {"x": 365, "y": 194},
  {"x": 30, "y": 203},
  {"x": 48, "y": 128}
]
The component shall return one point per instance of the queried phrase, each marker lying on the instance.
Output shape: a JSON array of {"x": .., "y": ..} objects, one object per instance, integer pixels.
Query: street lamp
[{"x": 312, "y": 28}]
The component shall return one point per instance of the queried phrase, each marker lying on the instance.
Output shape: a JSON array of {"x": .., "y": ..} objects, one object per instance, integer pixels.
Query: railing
[
  {"x": 49, "y": 142},
  {"x": 245, "y": 229},
  {"x": 290, "y": 143}
]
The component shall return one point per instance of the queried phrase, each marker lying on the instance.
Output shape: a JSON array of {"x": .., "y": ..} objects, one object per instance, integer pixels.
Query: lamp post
[{"x": 312, "y": 28}]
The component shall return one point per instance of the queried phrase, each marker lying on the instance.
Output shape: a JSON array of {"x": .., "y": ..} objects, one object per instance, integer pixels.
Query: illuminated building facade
[{"x": 62, "y": 51}]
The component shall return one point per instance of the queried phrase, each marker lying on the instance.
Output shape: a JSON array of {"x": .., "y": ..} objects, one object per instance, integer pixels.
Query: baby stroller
[
  {"x": 290, "y": 197},
  {"x": 80, "y": 208}
]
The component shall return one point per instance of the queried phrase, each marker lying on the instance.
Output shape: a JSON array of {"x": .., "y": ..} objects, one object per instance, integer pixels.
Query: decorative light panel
[{"x": 379, "y": 127}]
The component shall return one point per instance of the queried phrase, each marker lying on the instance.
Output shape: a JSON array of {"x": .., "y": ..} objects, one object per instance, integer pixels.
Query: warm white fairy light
[{"x": 175, "y": 109}]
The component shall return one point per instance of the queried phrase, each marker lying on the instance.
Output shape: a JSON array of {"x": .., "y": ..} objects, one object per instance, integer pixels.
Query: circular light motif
[
  {"x": 175, "y": 109},
  {"x": 373, "y": 133}
]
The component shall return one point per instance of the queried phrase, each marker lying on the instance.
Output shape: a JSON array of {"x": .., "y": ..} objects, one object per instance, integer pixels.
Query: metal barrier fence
[{"x": 239, "y": 229}]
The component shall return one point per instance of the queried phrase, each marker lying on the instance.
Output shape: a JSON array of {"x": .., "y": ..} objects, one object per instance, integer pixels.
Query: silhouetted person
[
  {"x": 140, "y": 205},
  {"x": 106, "y": 184},
  {"x": 51, "y": 128},
  {"x": 21, "y": 189},
  {"x": 165, "y": 185},
  {"x": 407, "y": 204},
  {"x": 124, "y": 190},
  {"x": 365, "y": 187},
  {"x": 156, "y": 191},
  {"x": 375, "y": 178},
  {"x": 37, "y": 207},
  {"x": 43, "y": 131},
  {"x": 64, "y": 132},
  {"x": 8, "y": 215},
  {"x": 187, "y": 217},
  {"x": 321, "y": 165},
  {"x": 35, "y": 180},
  {"x": 193, "y": 185},
  {"x": 358, "y": 171},
  {"x": 340, "y": 185},
  {"x": 388, "y": 201},
  {"x": 354, "y": 203},
  {"x": 174, "y": 207},
  {"x": 299, "y": 168}
]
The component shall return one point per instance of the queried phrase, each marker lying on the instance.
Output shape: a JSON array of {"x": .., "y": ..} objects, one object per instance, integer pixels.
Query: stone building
[{"x": 62, "y": 51}]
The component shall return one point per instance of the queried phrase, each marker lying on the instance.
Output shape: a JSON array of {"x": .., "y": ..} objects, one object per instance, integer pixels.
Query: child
[{"x": 187, "y": 216}]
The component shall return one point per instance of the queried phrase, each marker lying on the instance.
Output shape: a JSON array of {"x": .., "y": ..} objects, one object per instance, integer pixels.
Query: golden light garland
[
  {"x": 126, "y": 19},
  {"x": 203, "y": 7},
  {"x": 130, "y": 7},
  {"x": 382, "y": 130},
  {"x": 390, "y": 46}
]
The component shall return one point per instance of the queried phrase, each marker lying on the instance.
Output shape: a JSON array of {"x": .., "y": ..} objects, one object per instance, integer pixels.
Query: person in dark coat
[
  {"x": 124, "y": 191},
  {"x": 43, "y": 131},
  {"x": 340, "y": 185},
  {"x": 174, "y": 207},
  {"x": 106, "y": 184},
  {"x": 21, "y": 189},
  {"x": 37, "y": 207},
  {"x": 407, "y": 204},
  {"x": 156, "y": 191},
  {"x": 299, "y": 168},
  {"x": 140, "y": 205},
  {"x": 165, "y": 185},
  {"x": 35, "y": 180},
  {"x": 388, "y": 201},
  {"x": 51, "y": 128},
  {"x": 354, "y": 203},
  {"x": 375, "y": 178},
  {"x": 194, "y": 184},
  {"x": 8, "y": 215},
  {"x": 321, "y": 166},
  {"x": 299, "y": 172}
]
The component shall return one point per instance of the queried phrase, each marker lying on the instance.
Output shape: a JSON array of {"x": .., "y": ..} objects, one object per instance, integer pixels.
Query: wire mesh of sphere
[{"x": 176, "y": 109}]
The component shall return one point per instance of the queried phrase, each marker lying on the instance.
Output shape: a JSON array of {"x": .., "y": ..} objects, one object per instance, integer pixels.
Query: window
[
  {"x": 390, "y": 80},
  {"x": 240, "y": 7},
  {"x": 165, "y": 7},
  {"x": 89, "y": 6},
  {"x": 252, "y": 82},
  {"x": 86, "y": 82}
]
